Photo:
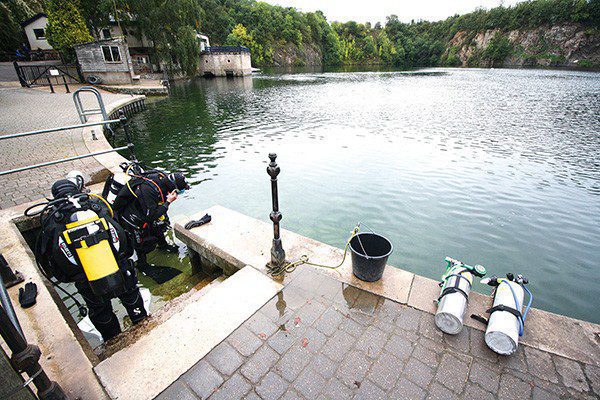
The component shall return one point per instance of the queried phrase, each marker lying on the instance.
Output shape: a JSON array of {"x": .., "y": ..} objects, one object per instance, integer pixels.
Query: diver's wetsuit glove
[
  {"x": 28, "y": 295},
  {"x": 194, "y": 224}
]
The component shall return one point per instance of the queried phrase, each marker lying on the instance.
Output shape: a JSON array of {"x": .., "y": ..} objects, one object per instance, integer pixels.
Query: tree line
[{"x": 265, "y": 29}]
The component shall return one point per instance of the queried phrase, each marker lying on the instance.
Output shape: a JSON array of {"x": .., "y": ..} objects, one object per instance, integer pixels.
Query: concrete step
[{"x": 194, "y": 327}]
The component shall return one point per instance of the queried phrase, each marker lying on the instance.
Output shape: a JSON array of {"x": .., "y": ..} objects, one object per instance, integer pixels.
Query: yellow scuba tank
[{"x": 89, "y": 235}]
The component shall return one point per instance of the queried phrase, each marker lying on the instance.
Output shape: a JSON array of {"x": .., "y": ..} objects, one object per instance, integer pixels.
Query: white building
[{"x": 35, "y": 29}]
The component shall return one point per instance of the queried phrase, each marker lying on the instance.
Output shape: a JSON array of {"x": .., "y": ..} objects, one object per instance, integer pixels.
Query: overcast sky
[{"x": 377, "y": 10}]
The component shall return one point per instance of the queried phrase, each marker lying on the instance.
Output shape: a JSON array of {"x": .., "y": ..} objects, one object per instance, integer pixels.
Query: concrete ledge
[
  {"x": 150, "y": 365},
  {"x": 236, "y": 240}
]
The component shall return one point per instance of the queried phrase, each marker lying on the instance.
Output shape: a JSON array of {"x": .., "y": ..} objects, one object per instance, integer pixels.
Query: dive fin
[{"x": 159, "y": 274}]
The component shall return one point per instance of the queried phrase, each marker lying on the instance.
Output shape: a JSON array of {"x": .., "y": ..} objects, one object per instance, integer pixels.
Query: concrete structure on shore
[{"x": 227, "y": 61}]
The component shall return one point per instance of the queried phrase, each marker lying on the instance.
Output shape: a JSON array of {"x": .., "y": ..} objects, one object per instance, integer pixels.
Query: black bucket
[{"x": 370, "y": 253}]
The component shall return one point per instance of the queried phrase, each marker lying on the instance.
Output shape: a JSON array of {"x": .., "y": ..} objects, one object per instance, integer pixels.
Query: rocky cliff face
[
  {"x": 570, "y": 45},
  {"x": 290, "y": 54}
]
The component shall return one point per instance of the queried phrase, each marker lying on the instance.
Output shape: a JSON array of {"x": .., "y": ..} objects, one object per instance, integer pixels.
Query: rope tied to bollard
[{"x": 304, "y": 259}]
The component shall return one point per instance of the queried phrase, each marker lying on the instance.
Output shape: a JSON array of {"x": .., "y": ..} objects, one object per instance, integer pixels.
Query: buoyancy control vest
[{"x": 79, "y": 240}]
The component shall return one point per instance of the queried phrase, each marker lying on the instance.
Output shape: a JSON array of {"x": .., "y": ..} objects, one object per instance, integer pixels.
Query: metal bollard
[{"x": 277, "y": 252}]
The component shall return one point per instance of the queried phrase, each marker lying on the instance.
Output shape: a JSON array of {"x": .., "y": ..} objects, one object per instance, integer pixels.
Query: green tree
[
  {"x": 66, "y": 27},
  {"x": 498, "y": 49},
  {"x": 239, "y": 36}
]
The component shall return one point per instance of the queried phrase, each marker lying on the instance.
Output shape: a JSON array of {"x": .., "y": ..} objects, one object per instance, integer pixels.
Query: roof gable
[{"x": 32, "y": 19}]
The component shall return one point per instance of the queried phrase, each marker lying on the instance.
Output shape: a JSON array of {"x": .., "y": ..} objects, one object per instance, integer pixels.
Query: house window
[
  {"x": 106, "y": 33},
  {"x": 111, "y": 53},
  {"x": 40, "y": 34}
]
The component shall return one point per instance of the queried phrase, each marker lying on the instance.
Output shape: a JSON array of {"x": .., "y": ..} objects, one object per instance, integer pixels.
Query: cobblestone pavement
[
  {"x": 319, "y": 339},
  {"x": 24, "y": 110}
]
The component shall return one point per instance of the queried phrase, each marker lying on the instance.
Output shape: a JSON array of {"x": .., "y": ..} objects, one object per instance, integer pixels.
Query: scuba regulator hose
[{"x": 519, "y": 306}]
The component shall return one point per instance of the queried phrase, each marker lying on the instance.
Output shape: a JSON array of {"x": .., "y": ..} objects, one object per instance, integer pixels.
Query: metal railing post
[
  {"x": 50, "y": 83},
  {"x": 19, "y": 74},
  {"x": 277, "y": 252}
]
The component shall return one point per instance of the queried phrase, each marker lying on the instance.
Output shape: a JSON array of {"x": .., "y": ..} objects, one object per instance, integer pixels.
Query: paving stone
[
  {"x": 540, "y": 364},
  {"x": 474, "y": 392},
  {"x": 261, "y": 325},
  {"x": 225, "y": 358},
  {"x": 291, "y": 394},
  {"x": 571, "y": 374},
  {"x": 485, "y": 377},
  {"x": 452, "y": 373},
  {"x": 418, "y": 372},
  {"x": 384, "y": 323},
  {"x": 425, "y": 355},
  {"x": 367, "y": 303},
  {"x": 293, "y": 362},
  {"x": 252, "y": 396},
  {"x": 271, "y": 387},
  {"x": 408, "y": 319},
  {"x": 335, "y": 390},
  {"x": 541, "y": 394},
  {"x": 244, "y": 341},
  {"x": 329, "y": 321},
  {"x": 372, "y": 341},
  {"x": 407, "y": 390},
  {"x": 277, "y": 309},
  {"x": 593, "y": 374},
  {"x": 352, "y": 327},
  {"x": 310, "y": 383},
  {"x": 310, "y": 312},
  {"x": 514, "y": 362},
  {"x": 177, "y": 391},
  {"x": 460, "y": 341},
  {"x": 360, "y": 317},
  {"x": 428, "y": 328},
  {"x": 478, "y": 348},
  {"x": 324, "y": 366},
  {"x": 439, "y": 392},
  {"x": 386, "y": 370},
  {"x": 353, "y": 369},
  {"x": 259, "y": 364},
  {"x": 399, "y": 346},
  {"x": 512, "y": 387},
  {"x": 203, "y": 379},
  {"x": 369, "y": 391},
  {"x": 312, "y": 339},
  {"x": 338, "y": 345},
  {"x": 554, "y": 388},
  {"x": 234, "y": 388},
  {"x": 281, "y": 341}
]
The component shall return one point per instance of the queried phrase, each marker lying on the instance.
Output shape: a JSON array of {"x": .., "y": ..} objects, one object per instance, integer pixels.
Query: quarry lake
[{"x": 496, "y": 167}]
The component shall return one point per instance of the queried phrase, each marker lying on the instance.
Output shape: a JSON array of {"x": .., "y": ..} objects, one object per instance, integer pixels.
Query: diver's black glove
[
  {"x": 194, "y": 224},
  {"x": 27, "y": 296}
]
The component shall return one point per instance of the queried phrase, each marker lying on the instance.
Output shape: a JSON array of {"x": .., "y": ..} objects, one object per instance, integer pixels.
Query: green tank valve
[{"x": 477, "y": 270}]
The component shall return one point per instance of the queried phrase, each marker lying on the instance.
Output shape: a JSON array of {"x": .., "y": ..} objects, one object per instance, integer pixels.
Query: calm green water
[{"x": 498, "y": 167}]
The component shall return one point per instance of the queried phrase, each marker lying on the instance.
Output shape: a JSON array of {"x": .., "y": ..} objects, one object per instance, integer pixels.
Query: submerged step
[{"x": 170, "y": 349}]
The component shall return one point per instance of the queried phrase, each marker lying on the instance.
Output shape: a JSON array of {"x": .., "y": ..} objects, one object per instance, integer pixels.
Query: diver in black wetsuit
[
  {"x": 142, "y": 207},
  {"x": 72, "y": 223}
]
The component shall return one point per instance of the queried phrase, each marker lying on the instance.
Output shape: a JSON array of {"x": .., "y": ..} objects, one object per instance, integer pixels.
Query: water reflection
[{"x": 498, "y": 167}]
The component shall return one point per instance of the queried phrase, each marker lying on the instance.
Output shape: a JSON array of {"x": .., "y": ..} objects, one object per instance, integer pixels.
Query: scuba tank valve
[
  {"x": 506, "y": 323},
  {"x": 452, "y": 303}
]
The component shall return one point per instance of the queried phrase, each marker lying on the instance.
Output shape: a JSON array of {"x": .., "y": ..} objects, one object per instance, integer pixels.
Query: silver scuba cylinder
[
  {"x": 452, "y": 306},
  {"x": 502, "y": 333},
  {"x": 119, "y": 180},
  {"x": 454, "y": 296}
]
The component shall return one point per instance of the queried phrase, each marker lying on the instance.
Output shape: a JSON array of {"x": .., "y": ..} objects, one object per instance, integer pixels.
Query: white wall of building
[{"x": 35, "y": 43}]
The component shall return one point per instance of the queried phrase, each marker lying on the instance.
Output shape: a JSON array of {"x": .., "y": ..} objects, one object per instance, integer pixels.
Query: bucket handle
[{"x": 360, "y": 241}]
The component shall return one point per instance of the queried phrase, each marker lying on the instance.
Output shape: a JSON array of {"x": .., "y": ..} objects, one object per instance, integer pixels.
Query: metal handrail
[
  {"x": 45, "y": 164},
  {"x": 226, "y": 49},
  {"x": 122, "y": 119},
  {"x": 62, "y": 128},
  {"x": 83, "y": 113}
]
